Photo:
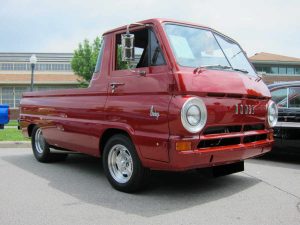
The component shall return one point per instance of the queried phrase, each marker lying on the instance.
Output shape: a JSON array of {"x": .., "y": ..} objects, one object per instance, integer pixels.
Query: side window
[
  {"x": 156, "y": 56},
  {"x": 146, "y": 48},
  {"x": 279, "y": 96},
  {"x": 140, "y": 49},
  {"x": 294, "y": 97},
  {"x": 100, "y": 56}
]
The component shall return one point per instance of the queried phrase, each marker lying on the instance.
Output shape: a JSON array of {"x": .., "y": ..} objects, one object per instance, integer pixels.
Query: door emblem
[
  {"x": 153, "y": 113},
  {"x": 244, "y": 109}
]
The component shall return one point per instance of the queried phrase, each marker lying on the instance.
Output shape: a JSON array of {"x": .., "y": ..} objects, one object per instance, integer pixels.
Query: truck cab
[{"x": 165, "y": 95}]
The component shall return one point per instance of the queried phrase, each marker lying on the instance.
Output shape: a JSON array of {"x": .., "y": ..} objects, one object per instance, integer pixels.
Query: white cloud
[{"x": 52, "y": 25}]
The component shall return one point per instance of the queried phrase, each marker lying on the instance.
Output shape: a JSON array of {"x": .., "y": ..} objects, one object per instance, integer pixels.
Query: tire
[
  {"x": 41, "y": 149},
  {"x": 122, "y": 165}
]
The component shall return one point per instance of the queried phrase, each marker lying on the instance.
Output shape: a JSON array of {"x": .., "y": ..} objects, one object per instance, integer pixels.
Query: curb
[
  {"x": 10, "y": 127},
  {"x": 15, "y": 144}
]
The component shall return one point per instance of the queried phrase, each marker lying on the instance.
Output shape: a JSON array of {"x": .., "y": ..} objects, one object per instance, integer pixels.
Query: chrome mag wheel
[
  {"x": 120, "y": 163},
  {"x": 39, "y": 141},
  {"x": 41, "y": 149}
]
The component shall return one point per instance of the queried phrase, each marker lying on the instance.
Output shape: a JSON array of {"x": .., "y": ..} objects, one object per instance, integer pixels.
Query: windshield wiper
[
  {"x": 241, "y": 70},
  {"x": 218, "y": 66},
  {"x": 198, "y": 69}
]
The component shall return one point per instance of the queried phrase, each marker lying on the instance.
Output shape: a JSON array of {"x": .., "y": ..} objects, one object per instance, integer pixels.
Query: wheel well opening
[
  {"x": 30, "y": 129},
  {"x": 108, "y": 134}
]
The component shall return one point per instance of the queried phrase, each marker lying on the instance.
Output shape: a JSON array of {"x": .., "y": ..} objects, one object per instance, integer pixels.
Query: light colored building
[
  {"x": 276, "y": 68},
  {"x": 52, "y": 71}
]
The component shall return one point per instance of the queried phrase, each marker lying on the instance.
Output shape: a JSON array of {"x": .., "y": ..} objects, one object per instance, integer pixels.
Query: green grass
[
  {"x": 12, "y": 134},
  {"x": 12, "y": 123}
]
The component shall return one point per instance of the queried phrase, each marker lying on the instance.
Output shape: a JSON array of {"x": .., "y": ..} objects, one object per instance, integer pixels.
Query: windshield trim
[
  {"x": 222, "y": 50},
  {"x": 213, "y": 32}
]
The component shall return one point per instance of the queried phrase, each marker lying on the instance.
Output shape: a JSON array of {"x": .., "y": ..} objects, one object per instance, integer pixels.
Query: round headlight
[
  {"x": 272, "y": 114},
  {"x": 193, "y": 115}
]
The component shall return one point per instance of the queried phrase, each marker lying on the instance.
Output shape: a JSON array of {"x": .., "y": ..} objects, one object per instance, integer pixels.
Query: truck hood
[
  {"x": 227, "y": 95},
  {"x": 221, "y": 83}
]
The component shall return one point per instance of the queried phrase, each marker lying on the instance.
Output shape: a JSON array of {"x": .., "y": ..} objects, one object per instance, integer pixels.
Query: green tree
[
  {"x": 121, "y": 65},
  {"x": 84, "y": 60}
]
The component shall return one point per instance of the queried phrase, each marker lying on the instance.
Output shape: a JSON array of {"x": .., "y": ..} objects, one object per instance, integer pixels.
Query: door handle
[{"x": 114, "y": 85}]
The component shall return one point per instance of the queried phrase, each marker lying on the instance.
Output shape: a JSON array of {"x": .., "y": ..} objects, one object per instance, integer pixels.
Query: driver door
[{"x": 138, "y": 98}]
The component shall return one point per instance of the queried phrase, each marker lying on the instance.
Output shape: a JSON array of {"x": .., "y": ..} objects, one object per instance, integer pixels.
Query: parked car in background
[
  {"x": 287, "y": 130},
  {"x": 4, "y": 115}
]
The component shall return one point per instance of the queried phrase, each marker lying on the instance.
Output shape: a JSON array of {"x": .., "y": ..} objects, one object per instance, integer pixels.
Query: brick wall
[{"x": 270, "y": 79}]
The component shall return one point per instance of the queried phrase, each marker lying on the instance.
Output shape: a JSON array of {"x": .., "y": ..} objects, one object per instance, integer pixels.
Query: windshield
[{"x": 195, "y": 47}]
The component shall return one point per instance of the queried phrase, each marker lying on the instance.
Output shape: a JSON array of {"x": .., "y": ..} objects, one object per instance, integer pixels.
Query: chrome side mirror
[{"x": 127, "y": 42}]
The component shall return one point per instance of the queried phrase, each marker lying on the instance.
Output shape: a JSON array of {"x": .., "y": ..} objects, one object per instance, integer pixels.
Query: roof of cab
[
  {"x": 161, "y": 20},
  {"x": 155, "y": 21}
]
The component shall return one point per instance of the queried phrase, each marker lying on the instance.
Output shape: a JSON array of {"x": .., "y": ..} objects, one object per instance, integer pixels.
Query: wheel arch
[
  {"x": 108, "y": 133},
  {"x": 30, "y": 129}
]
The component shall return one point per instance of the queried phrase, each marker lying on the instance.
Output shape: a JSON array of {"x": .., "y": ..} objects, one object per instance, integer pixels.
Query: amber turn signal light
[
  {"x": 183, "y": 145},
  {"x": 270, "y": 136}
]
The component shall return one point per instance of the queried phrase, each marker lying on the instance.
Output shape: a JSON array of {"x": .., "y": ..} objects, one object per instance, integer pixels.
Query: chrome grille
[{"x": 219, "y": 136}]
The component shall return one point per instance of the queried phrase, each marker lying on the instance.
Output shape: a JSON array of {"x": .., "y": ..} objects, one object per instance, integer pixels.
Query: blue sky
[{"x": 58, "y": 26}]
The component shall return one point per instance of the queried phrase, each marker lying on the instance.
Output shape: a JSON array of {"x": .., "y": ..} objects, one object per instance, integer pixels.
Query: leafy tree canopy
[{"x": 84, "y": 60}]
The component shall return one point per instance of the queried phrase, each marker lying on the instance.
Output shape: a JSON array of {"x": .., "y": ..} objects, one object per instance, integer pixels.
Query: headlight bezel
[
  {"x": 198, "y": 102},
  {"x": 272, "y": 106}
]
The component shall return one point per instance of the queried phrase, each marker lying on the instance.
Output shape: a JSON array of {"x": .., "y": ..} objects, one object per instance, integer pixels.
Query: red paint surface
[{"x": 76, "y": 119}]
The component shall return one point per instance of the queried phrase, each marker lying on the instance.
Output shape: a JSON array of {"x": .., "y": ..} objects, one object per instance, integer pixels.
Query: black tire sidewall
[
  {"x": 136, "y": 179},
  {"x": 42, "y": 157}
]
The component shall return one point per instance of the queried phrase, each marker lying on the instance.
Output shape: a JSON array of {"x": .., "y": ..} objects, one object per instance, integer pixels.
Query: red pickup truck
[{"x": 182, "y": 96}]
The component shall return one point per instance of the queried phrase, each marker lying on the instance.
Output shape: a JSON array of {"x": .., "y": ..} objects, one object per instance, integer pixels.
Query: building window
[
  {"x": 58, "y": 67},
  {"x": 54, "y": 67},
  {"x": 266, "y": 69},
  {"x": 43, "y": 66},
  {"x": 282, "y": 70},
  {"x": 7, "y": 66},
  {"x": 68, "y": 67},
  {"x": 8, "y": 96},
  {"x": 290, "y": 70},
  {"x": 258, "y": 68},
  {"x": 286, "y": 70},
  {"x": 274, "y": 70},
  {"x": 20, "y": 66},
  {"x": 12, "y": 95},
  {"x": 38, "y": 66}
]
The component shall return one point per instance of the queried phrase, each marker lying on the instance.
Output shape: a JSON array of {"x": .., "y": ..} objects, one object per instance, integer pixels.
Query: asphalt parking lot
[{"x": 77, "y": 192}]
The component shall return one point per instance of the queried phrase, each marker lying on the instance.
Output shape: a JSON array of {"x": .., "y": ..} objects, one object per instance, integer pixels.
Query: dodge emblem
[
  {"x": 244, "y": 109},
  {"x": 153, "y": 113}
]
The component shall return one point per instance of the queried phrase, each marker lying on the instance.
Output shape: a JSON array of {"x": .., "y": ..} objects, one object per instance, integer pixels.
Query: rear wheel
[
  {"x": 41, "y": 149},
  {"x": 122, "y": 165}
]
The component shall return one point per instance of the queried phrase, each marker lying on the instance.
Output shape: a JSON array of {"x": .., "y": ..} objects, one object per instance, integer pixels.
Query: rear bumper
[{"x": 185, "y": 160}]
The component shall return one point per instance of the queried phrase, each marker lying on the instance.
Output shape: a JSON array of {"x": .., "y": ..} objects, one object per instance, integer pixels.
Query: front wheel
[{"x": 122, "y": 165}]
